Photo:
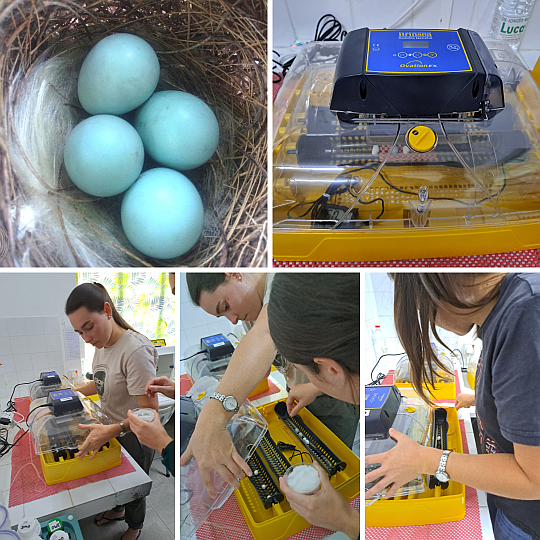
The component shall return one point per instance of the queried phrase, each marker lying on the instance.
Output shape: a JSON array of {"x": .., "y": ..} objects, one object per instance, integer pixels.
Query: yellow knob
[
  {"x": 409, "y": 409},
  {"x": 421, "y": 139}
]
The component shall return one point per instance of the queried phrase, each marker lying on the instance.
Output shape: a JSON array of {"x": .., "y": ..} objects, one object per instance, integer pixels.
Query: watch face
[
  {"x": 230, "y": 403},
  {"x": 441, "y": 476}
]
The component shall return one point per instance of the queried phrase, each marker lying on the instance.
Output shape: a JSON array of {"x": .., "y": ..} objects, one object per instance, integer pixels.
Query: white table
[{"x": 83, "y": 501}]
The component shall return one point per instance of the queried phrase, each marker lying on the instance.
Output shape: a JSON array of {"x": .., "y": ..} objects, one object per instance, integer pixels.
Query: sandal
[{"x": 102, "y": 517}]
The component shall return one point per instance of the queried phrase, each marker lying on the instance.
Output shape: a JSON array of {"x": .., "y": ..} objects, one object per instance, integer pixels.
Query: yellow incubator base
[
  {"x": 72, "y": 468},
  {"x": 365, "y": 192},
  {"x": 423, "y": 507},
  {"x": 279, "y": 521}
]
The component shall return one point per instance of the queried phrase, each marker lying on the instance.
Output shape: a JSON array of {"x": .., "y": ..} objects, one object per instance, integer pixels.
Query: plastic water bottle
[
  {"x": 510, "y": 20},
  {"x": 379, "y": 342},
  {"x": 4, "y": 388}
]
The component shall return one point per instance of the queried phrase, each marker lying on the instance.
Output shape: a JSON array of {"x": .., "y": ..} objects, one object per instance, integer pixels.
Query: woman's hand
[
  {"x": 300, "y": 396},
  {"x": 151, "y": 434},
  {"x": 400, "y": 465},
  {"x": 464, "y": 401},
  {"x": 98, "y": 435},
  {"x": 212, "y": 447},
  {"x": 326, "y": 508},
  {"x": 162, "y": 385}
]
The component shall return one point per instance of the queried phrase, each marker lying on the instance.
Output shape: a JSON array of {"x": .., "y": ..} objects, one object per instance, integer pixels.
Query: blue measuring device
[
  {"x": 64, "y": 402},
  {"x": 216, "y": 347},
  {"x": 381, "y": 407},
  {"x": 415, "y": 73}
]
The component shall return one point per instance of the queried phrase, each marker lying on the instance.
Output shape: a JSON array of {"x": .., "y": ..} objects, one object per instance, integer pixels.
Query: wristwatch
[
  {"x": 441, "y": 475},
  {"x": 229, "y": 402},
  {"x": 123, "y": 429}
]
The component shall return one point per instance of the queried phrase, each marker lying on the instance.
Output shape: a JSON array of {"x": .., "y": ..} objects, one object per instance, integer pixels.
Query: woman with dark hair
[
  {"x": 505, "y": 308},
  {"x": 123, "y": 364},
  {"x": 244, "y": 297},
  {"x": 314, "y": 321}
]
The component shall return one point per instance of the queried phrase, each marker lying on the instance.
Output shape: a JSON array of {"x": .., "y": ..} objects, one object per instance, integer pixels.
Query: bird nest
[{"x": 214, "y": 49}]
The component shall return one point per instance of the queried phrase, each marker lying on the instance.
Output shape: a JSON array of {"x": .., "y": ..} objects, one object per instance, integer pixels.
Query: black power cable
[
  {"x": 11, "y": 404},
  {"x": 328, "y": 29}
]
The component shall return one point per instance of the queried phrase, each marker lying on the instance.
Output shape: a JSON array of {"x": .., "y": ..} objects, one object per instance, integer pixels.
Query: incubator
[{"x": 405, "y": 144}]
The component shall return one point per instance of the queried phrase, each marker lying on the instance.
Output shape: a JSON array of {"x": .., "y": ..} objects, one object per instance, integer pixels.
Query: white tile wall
[
  {"x": 297, "y": 19},
  {"x": 195, "y": 323},
  {"x": 29, "y": 346}
]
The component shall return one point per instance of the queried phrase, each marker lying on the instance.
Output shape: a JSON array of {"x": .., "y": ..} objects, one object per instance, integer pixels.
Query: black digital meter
[
  {"x": 50, "y": 378},
  {"x": 382, "y": 406},
  {"x": 64, "y": 402},
  {"x": 216, "y": 347},
  {"x": 415, "y": 73}
]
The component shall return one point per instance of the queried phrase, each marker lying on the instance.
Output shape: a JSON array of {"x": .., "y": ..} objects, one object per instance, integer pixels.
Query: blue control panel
[
  {"x": 215, "y": 341},
  {"x": 422, "y": 51},
  {"x": 377, "y": 396},
  {"x": 63, "y": 395}
]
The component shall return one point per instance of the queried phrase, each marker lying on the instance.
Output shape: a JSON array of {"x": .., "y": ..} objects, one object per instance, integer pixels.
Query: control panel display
[{"x": 408, "y": 51}]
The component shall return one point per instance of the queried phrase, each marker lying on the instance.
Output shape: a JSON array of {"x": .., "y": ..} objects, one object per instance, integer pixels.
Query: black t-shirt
[{"x": 508, "y": 383}]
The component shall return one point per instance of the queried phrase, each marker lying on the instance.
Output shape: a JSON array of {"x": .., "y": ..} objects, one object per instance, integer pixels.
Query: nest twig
[{"x": 214, "y": 49}]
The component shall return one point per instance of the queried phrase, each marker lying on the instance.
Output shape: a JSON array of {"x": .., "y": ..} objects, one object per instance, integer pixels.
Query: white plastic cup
[
  {"x": 144, "y": 414},
  {"x": 311, "y": 490},
  {"x": 59, "y": 535},
  {"x": 5, "y": 524},
  {"x": 28, "y": 528}
]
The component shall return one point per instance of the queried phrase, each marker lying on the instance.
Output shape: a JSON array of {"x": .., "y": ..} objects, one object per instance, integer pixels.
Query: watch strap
[
  {"x": 123, "y": 428},
  {"x": 444, "y": 460}
]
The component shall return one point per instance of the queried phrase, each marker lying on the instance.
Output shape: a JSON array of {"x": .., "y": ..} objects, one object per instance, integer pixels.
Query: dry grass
[{"x": 215, "y": 49}]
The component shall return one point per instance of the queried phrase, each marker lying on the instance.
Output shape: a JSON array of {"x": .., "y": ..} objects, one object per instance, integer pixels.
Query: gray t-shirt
[
  {"x": 292, "y": 375},
  {"x": 121, "y": 373},
  {"x": 507, "y": 379}
]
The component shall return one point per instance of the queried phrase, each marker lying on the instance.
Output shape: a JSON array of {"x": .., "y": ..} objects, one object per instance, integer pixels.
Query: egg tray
[
  {"x": 280, "y": 521},
  {"x": 313, "y": 444},
  {"x": 433, "y": 505},
  {"x": 264, "y": 483}
]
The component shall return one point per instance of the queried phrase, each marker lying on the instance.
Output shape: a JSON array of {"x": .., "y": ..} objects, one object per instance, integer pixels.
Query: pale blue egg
[
  {"x": 103, "y": 155},
  {"x": 178, "y": 130},
  {"x": 162, "y": 214},
  {"x": 119, "y": 74}
]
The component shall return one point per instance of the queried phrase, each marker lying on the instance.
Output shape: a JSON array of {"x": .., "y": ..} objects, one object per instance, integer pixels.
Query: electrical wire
[
  {"x": 6, "y": 446},
  {"x": 374, "y": 381},
  {"x": 188, "y": 357},
  {"x": 339, "y": 186},
  {"x": 38, "y": 407},
  {"x": 328, "y": 29},
  {"x": 11, "y": 404},
  {"x": 405, "y": 192}
]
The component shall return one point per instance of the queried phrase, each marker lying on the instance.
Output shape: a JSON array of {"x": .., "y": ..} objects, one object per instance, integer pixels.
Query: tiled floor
[{"x": 159, "y": 522}]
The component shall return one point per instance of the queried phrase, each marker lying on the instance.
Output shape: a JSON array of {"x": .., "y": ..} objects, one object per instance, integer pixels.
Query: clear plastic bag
[{"x": 247, "y": 427}]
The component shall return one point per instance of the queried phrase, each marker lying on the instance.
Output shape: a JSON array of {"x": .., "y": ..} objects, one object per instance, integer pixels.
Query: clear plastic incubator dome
[
  {"x": 54, "y": 421},
  {"x": 402, "y": 372},
  {"x": 381, "y": 161},
  {"x": 414, "y": 420},
  {"x": 48, "y": 382}
]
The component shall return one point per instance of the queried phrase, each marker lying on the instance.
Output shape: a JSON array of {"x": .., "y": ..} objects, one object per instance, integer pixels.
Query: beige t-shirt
[
  {"x": 121, "y": 373},
  {"x": 292, "y": 375}
]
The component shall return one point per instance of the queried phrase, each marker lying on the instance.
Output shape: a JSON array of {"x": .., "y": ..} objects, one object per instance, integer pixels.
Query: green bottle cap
[{"x": 55, "y": 525}]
